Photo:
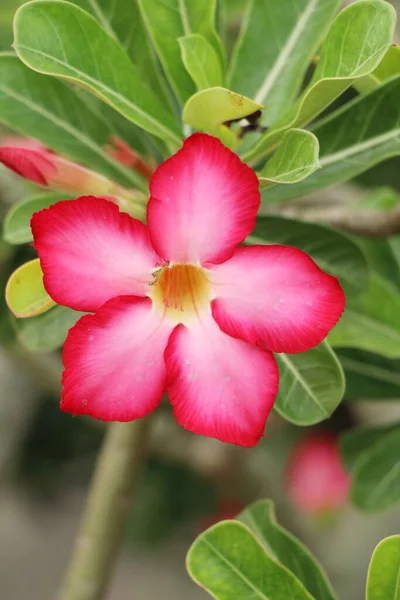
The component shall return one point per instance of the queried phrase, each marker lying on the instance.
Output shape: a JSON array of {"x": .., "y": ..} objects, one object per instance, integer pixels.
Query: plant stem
[{"x": 107, "y": 507}]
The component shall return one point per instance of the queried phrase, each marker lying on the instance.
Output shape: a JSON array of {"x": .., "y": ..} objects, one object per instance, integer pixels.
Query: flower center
[{"x": 181, "y": 291}]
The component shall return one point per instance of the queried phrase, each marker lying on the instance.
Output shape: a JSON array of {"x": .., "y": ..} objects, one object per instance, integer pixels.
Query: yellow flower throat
[{"x": 181, "y": 291}]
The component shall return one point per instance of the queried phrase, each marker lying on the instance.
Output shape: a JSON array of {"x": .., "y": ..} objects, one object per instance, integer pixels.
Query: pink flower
[
  {"x": 316, "y": 480},
  {"x": 178, "y": 307},
  {"x": 33, "y": 161}
]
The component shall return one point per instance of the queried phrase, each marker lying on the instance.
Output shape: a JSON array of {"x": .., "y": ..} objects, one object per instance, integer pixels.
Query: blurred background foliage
[{"x": 46, "y": 457}]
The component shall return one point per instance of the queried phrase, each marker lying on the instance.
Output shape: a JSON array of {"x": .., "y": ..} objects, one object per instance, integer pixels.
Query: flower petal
[
  {"x": 34, "y": 165},
  {"x": 277, "y": 297},
  {"x": 203, "y": 202},
  {"x": 90, "y": 252},
  {"x": 220, "y": 386},
  {"x": 114, "y": 361}
]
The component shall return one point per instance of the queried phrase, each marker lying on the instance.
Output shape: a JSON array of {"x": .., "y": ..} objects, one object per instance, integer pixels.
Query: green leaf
[
  {"x": 286, "y": 549},
  {"x": 380, "y": 199},
  {"x": 376, "y": 476},
  {"x": 371, "y": 321},
  {"x": 210, "y": 109},
  {"x": 389, "y": 67},
  {"x": 381, "y": 259},
  {"x": 123, "y": 21},
  {"x": 352, "y": 140},
  {"x": 355, "y": 444},
  {"x": 46, "y": 332},
  {"x": 201, "y": 61},
  {"x": 369, "y": 376},
  {"x": 60, "y": 39},
  {"x": 295, "y": 159},
  {"x": 229, "y": 562},
  {"x": 48, "y": 110},
  {"x": 311, "y": 385},
  {"x": 358, "y": 39},
  {"x": 25, "y": 294},
  {"x": 331, "y": 249},
  {"x": 170, "y": 20},
  {"x": 383, "y": 582},
  {"x": 16, "y": 228},
  {"x": 274, "y": 49}
]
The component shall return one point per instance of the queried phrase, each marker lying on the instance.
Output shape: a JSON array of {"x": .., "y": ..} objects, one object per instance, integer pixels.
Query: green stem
[{"x": 107, "y": 507}]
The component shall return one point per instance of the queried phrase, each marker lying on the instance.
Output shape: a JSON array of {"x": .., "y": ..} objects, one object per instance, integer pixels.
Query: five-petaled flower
[{"x": 178, "y": 306}]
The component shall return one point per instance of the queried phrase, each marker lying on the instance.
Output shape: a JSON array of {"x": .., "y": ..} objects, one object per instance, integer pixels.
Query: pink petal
[
  {"x": 276, "y": 297},
  {"x": 90, "y": 252},
  {"x": 219, "y": 386},
  {"x": 32, "y": 164},
  {"x": 114, "y": 361},
  {"x": 203, "y": 202}
]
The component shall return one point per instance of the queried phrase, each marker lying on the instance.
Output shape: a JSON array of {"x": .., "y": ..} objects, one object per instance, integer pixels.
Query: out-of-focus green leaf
[
  {"x": 201, "y": 61},
  {"x": 60, "y": 39},
  {"x": 356, "y": 443},
  {"x": 286, "y": 549},
  {"x": 123, "y": 21},
  {"x": 358, "y": 39},
  {"x": 210, "y": 109},
  {"x": 311, "y": 385},
  {"x": 331, "y": 249},
  {"x": 274, "y": 49},
  {"x": 384, "y": 571},
  {"x": 369, "y": 376},
  {"x": 389, "y": 67},
  {"x": 352, "y": 140},
  {"x": 376, "y": 475},
  {"x": 48, "y": 110},
  {"x": 172, "y": 19},
  {"x": 381, "y": 259},
  {"x": 295, "y": 159},
  {"x": 382, "y": 198},
  {"x": 25, "y": 293},
  {"x": 16, "y": 228},
  {"x": 371, "y": 321},
  {"x": 229, "y": 562},
  {"x": 46, "y": 332}
]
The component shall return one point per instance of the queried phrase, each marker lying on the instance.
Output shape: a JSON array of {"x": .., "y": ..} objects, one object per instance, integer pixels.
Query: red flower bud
[{"x": 315, "y": 478}]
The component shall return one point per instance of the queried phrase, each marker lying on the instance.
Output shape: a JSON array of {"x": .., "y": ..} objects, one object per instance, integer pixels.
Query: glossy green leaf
[
  {"x": 60, "y": 39},
  {"x": 356, "y": 43},
  {"x": 356, "y": 443},
  {"x": 352, "y": 140},
  {"x": 369, "y": 376},
  {"x": 376, "y": 476},
  {"x": 16, "y": 228},
  {"x": 383, "y": 581},
  {"x": 229, "y": 562},
  {"x": 201, "y": 61},
  {"x": 209, "y": 109},
  {"x": 25, "y": 294},
  {"x": 294, "y": 160},
  {"x": 286, "y": 549},
  {"x": 123, "y": 21},
  {"x": 371, "y": 321},
  {"x": 170, "y": 20},
  {"x": 311, "y": 385},
  {"x": 46, "y": 332},
  {"x": 48, "y": 110},
  {"x": 331, "y": 249},
  {"x": 389, "y": 67},
  {"x": 275, "y": 48}
]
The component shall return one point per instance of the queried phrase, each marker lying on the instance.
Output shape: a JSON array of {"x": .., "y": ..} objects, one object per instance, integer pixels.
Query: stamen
[{"x": 181, "y": 291}]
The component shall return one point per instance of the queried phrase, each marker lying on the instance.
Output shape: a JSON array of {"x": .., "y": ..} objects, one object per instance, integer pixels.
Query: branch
[{"x": 108, "y": 504}]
